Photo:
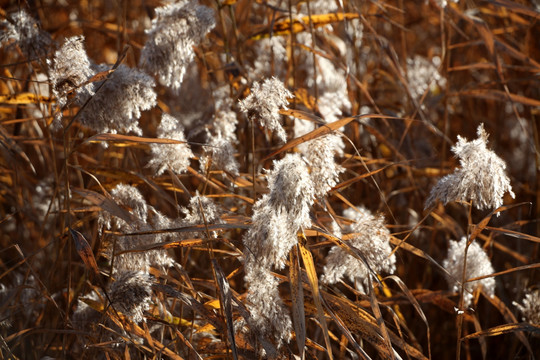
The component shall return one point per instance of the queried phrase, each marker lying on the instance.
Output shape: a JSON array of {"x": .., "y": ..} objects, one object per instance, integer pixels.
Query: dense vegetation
[{"x": 270, "y": 179}]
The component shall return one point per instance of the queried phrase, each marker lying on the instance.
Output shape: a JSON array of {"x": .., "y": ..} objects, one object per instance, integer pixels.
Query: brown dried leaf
[
  {"x": 504, "y": 329},
  {"x": 314, "y": 284},
  {"x": 498, "y": 95},
  {"x": 106, "y": 204},
  {"x": 85, "y": 251},
  {"x": 297, "y": 298},
  {"x": 127, "y": 139},
  {"x": 226, "y": 303}
]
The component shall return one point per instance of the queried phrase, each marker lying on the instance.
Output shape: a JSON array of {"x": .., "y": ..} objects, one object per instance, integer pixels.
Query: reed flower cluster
[
  {"x": 264, "y": 103},
  {"x": 176, "y": 28},
  {"x": 175, "y": 157},
  {"x": 70, "y": 71},
  {"x": 19, "y": 28},
  {"x": 367, "y": 253},
  {"x": 478, "y": 264},
  {"x": 248, "y": 173},
  {"x": 530, "y": 307},
  {"x": 481, "y": 178}
]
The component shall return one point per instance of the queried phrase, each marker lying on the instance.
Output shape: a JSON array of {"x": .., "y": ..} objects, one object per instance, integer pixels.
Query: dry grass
[{"x": 53, "y": 185}]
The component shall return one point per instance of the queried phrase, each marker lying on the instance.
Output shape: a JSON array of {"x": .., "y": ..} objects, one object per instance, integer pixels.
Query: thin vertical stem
[{"x": 461, "y": 309}]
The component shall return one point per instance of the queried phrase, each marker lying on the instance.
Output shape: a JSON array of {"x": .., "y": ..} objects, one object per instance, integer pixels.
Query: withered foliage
[{"x": 248, "y": 179}]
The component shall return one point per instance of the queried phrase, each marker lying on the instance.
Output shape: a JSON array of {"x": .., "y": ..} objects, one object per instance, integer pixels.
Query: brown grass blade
[
  {"x": 510, "y": 318},
  {"x": 514, "y": 269},
  {"x": 514, "y": 234},
  {"x": 374, "y": 303},
  {"x": 420, "y": 253},
  {"x": 349, "y": 336},
  {"x": 504, "y": 329},
  {"x": 349, "y": 182},
  {"x": 481, "y": 340},
  {"x": 226, "y": 301},
  {"x": 134, "y": 329},
  {"x": 498, "y": 95},
  {"x": 362, "y": 323},
  {"x": 517, "y": 7},
  {"x": 85, "y": 251},
  {"x": 302, "y": 115},
  {"x": 297, "y": 298},
  {"x": 321, "y": 131},
  {"x": 106, "y": 204},
  {"x": 416, "y": 306},
  {"x": 7, "y": 142},
  {"x": 125, "y": 140},
  {"x": 165, "y": 245},
  {"x": 195, "y": 305},
  {"x": 314, "y": 284}
]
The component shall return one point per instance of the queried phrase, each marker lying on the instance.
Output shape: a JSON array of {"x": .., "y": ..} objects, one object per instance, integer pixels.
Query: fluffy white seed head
[
  {"x": 21, "y": 29},
  {"x": 264, "y": 103},
  {"x": 117, "y": 106},
  {"x": 478, "y": 264},
  {"x": 319, "y": 154},
  {"x": 481, "y": 177},
  {"x": 530, "y": 307},
  {"x": 269, "y": 315},
  {"x": 131, "y": 294},
  {"x": 175, "y": 30},
  {"x": 291, "y": 189},
  {"x": 145, "y": 218},
  {"x": 173, "y": 156},
  {"x": 422, "y": 75},
  {"x": 372, "y": 243},
  {"x": 70, "y": 69},
  {"x": 277, "y": 217}
]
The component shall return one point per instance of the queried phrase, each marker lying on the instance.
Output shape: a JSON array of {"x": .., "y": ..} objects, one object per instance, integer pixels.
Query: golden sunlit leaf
[
  {"x": 25, "y": 98},
  {"x": 284, "y": 27}
]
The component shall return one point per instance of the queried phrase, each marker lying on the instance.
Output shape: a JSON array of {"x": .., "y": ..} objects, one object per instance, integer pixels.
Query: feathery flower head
[
  {"x": 372, "y": 242},
  {"x": 117, "y": 106},
  {"x": 25, "y": 31},
  {"x": 277, "y": 217},
  {"x": 270, "y": 55},
  {"x": 200, "y": 210},
  {"x": 478, "y": 264},
  {"x": 421, "y": 74},
  {"x": 264, "y": 103},
  {"x": 291, "y": 189},
  {"x": 173, "y": 156},
  {"x": 332, "y": 83},
  {"x": 220, "y": 152},
  {"x": 225, "y": 120},
  {"x": 319, "y": 154},
  {"x": 145, "y": 218},
  {"x": 131, "y": 294},
  {"x": 175, "y": 30},
  {"x": 530, "y": 307},
  {"x": 70, "y": 68},
  {"x": 481, "y": 177},
  {"x": 269, "y": 315}
]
